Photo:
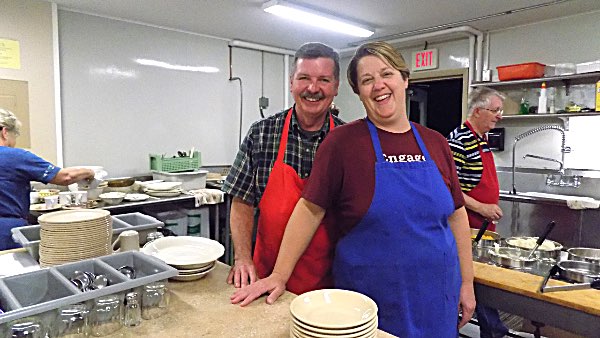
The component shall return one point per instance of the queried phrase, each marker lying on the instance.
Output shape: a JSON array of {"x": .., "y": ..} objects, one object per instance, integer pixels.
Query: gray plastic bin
[
  {"x": 29, "y": 236},
  {"x": 137, "y": 221},
  {"x": 44, "y": 290}
]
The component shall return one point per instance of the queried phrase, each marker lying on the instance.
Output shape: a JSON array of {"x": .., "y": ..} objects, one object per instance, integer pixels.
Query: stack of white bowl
[
  {"x": 333, "y": 313},
  {"x": 193, "y": 257},
  {"x": 74, "y": 235},
  {"x": 163, "y": 189}
]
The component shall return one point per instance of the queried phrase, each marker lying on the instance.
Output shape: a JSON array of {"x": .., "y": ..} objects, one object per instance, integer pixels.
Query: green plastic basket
[{"x": 174, "y": 164}]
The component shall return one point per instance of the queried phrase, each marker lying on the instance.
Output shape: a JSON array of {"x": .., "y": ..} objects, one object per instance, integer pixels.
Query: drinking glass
[
  {"x": 155, "y": 299},
  {"x": 105, "y": 317}
]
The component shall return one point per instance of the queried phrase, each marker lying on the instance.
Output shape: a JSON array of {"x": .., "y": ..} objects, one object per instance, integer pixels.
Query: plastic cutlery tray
[
  {"x": 29, "y": 236},
  {"x": 44, "y": 290}
]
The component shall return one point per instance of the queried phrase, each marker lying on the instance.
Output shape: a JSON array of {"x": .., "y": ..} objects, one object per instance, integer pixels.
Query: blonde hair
[
  {"x": 10, "y": 122},
  {"x": 382, "y": 50}
]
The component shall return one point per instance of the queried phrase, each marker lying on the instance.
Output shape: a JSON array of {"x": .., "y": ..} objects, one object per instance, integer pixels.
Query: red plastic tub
[{"x": 530, "y": 70}]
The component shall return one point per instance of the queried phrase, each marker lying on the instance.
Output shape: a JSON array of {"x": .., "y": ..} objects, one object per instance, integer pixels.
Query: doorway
[{"x": 437, "y": 103}]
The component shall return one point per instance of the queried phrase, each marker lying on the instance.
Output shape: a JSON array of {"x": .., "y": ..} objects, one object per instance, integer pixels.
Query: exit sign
[{"x": 425, "y": 59}]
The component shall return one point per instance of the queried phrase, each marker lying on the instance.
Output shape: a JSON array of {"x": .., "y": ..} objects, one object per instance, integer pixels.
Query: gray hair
[
  {"x": 480, "y": 97},
  {"x": 314, "y": 50},
  {"x": 10, "y": 122}
]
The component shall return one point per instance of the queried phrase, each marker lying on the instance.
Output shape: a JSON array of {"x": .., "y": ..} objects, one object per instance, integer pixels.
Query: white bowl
[
  {"x": 185, "y": 252},
  {"x": 333, "y": 308},
  {"x": 112, "y": 198}
]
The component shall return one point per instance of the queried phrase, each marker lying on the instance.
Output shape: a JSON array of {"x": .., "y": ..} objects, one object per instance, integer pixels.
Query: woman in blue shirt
[{"x": 18, "y": 167}]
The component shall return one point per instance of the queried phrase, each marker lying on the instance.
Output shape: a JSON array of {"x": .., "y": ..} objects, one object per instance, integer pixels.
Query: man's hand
[
  {"x": 274, "y": 285},
  {"x": 242, "y": 273},
  {"x": 466, "y": 303},
  {"x": 491, "y": 211}
]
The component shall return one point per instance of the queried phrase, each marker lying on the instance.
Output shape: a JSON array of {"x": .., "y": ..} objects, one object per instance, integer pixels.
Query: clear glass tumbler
[
  {"x": 105, "y": 317},
  {"x": 73, "y": 321},
  {"x": 155, "y": 299}
]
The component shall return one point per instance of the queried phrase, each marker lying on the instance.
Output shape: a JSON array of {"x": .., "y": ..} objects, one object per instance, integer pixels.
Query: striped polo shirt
[{"x": 465, "y": 150}]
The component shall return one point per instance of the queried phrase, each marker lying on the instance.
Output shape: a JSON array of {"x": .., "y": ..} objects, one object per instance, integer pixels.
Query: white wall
[
  {"x": 30, "y": 23},
  {"x": 116, "y": 112}
]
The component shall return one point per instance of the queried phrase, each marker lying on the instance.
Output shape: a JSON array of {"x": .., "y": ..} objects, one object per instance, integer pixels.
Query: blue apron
[{"x": 402, "y": 253}]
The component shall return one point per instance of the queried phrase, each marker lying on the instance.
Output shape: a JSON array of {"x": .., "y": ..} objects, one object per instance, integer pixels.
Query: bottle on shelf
[
  {"x": 543, "y": 100},
  {"x": 524, "y": 107},
  {"x": 551, "y": 100}
]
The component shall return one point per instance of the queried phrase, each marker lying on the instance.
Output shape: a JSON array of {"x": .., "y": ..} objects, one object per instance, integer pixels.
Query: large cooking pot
[
  {"x": 577, "y": 271},
  {"x": 514, "y": 258},
  {"x": 488, "y": 239},
  {"x": 584, "y": 254},
  {"x": 549, "y": 249}
]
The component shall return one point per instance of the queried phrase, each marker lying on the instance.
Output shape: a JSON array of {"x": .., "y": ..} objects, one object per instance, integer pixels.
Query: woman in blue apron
[
  {"x": 391, "y": 187},
  {"x": 18, "y": 168}
]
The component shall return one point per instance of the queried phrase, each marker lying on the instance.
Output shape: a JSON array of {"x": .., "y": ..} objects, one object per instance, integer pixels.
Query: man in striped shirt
[{"x": 478, "y": 179}]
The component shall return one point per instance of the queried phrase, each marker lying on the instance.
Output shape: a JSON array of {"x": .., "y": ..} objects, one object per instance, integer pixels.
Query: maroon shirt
[{"x": 342, "y": 180}]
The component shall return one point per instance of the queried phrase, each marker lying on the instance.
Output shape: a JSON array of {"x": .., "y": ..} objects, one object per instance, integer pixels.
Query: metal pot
[
  {"x": 482, "y": 253},
  {"x": 540, "y": 253},
  {"x": 584, "y": 254},
  {"x": 486, "y": 242},
  {"x": 514, "y": 258},
  {"x": 582, "y": 272}
]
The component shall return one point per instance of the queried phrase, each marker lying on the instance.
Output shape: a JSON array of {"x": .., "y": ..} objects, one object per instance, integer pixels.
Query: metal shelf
[
  {"x": 550, "y": 79},
  {"x": 565, "y": 115}
]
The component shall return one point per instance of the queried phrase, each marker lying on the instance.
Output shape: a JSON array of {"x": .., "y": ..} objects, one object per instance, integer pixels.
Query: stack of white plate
[
  {"x": 163, "y": 189},
  {"x": 193, "y": 257},
  {"x": 333, "y": 313},
  {"x": 73, "y": 235}
]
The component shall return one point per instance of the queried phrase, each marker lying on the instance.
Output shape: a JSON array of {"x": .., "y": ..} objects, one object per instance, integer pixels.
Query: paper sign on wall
[
  {"x": 10, "y": 54},
  {"x": 425, "y": 59}
]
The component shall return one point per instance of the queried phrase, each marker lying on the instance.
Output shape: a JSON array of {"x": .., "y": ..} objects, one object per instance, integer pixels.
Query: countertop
[
  {"x": 526, "y": 284},
  {"x": 202, "y": 309}
]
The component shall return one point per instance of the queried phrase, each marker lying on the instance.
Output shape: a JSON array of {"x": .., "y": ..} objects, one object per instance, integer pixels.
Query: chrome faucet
[
  {"x": 560, "y": 169},
  {"x": 563, "y": 148}
]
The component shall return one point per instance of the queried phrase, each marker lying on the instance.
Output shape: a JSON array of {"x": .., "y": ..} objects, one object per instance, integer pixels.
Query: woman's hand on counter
[
  {"x": 274, "y": 285},
  {"x": 242, "y": 273},
  {"x": 466, "y": 303}
]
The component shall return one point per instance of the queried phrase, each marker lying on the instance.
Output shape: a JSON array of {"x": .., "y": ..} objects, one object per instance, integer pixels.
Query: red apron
[
  {"x": 488, "y": 189},
  {"x": 283, "y": 190}
]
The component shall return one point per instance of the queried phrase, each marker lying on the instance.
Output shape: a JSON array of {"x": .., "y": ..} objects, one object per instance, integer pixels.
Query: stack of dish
[
  {"x": 333, "y": 313},
  {"x": 163, "y": 189},
  {"x": 73, "y": 235},
  {"x": 193, "y": 257}
]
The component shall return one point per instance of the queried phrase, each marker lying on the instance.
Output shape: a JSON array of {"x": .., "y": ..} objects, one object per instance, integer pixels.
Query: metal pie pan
[
  {"x": 584, "y": 254},
  {"x": 577, "y": 271},
  {"x": 514, "y": 258}
]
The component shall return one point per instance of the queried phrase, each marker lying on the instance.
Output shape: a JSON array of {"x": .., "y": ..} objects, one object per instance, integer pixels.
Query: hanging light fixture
[{"x": 311, "y": 17}]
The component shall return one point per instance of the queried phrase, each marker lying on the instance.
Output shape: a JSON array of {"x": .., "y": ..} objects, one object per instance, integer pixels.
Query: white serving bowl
[{"x": 112, "y": 198}]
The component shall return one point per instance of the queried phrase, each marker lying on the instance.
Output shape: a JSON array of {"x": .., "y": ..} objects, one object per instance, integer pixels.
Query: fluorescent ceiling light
[
  {"x": 313, "y": 18},
  {"x": 161, "y": 64}
]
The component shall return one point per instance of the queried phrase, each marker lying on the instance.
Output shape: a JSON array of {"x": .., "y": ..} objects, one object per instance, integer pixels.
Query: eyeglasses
[{"x": 497, "y": 111}]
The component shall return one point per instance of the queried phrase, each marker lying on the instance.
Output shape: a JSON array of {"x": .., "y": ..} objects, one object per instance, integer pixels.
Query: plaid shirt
[{"x": 249, "y": 174}]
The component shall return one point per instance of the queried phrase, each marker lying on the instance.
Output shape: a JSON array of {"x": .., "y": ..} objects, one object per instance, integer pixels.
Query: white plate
[
  {"x": 333, "y": 308},
  {"x": 198, "y": 270},
  {"x": 73, "y": 216},
  {"x": 42, "y": 207},
  {"x": 162, "y": 186},
  {"x": 136, "y": 197},
  {"x": 184, "y": 250},
  {"x": 159, "y": 193},
  {"x": 191, "y": 277}
]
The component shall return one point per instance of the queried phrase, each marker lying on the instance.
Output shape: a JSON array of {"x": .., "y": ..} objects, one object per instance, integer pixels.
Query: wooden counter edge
[{"x": 526, "y": 284}]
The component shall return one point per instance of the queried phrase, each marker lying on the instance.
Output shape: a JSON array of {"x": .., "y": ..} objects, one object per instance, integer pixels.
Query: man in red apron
[
  {"x": 478, "y": 179},
  {"x": 269, "y": 172}
]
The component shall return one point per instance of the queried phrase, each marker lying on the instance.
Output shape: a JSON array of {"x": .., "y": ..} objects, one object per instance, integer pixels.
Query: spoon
[{"x": 484, "y": 226}]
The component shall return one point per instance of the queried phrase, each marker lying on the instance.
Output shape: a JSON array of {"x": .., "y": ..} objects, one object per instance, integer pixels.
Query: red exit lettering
[{"x": 424, "y": 59}]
